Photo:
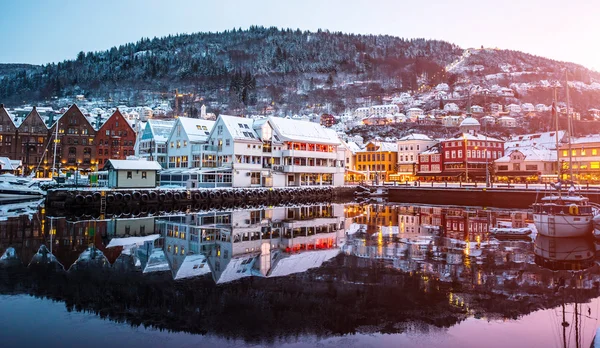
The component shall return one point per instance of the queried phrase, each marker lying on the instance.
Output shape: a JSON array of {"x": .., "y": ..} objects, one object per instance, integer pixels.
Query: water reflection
[{"x": 340, "y": 268}]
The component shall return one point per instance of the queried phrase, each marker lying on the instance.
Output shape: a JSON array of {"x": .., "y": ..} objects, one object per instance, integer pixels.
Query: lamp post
[
  {"x": 466, "y": 159},
  {"x": 76, "y": 175}
]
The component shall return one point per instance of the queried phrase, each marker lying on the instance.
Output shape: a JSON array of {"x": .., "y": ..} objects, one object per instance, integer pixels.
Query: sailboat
[{"x": 560, "y": 214}]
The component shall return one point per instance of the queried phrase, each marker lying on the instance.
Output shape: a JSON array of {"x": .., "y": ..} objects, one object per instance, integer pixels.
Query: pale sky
[{"x": 54, "y": 30}]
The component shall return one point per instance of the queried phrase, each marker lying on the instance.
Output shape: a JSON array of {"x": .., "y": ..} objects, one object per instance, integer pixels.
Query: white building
[
  {"x": 469, "y": 125},
  {"x": 451, "y": 107},
  {"x": 152, "y": 144},
  {"x": 488, "y": 121},
  {"x": 132, "y": 174},
  {"x": 376, "y": 110},
  {"x": 513, "y": 108},
  {"x": 541, "y": 108},
  {"x": 451, "y": 121},
  {"x": 545, "y": 140},
  {"x": 275, "y": 151},
  {"x": 476, "y": 109},
  {"x": 414, "y": 113},
  {"x": 527, "y": 107},
  {"x": 186, "y": 140},
  {"x": 507, "y": 122},
  {"x": 409, "y": 148}
]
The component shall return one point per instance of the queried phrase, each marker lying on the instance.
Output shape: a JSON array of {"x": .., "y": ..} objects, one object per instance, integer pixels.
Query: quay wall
[
  {"x": 473, "y": 196},
  {"x": 143, "y": 202}
]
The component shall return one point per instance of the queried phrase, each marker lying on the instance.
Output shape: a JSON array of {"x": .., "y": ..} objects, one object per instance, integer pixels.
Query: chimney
[{"x": 1, "y": 105}]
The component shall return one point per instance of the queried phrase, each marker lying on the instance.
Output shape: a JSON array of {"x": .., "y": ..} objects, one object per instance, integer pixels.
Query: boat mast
[
  {"x": 569, "y": 127},
  {"x": 555, "y": 115},
  {"x": 55, "y": 144}
]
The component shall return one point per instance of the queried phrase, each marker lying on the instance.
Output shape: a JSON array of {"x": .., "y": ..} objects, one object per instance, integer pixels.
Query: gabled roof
[
  {"x": 4, "y": 116},
  {"x": 531, "y": 154},
  {"x": 197, "y": 129},
  {"x": 116, "y": 114},
  {"x": 546, "y": 139},
  {"x": 301, "y": 262},
  {"x": 415, "y": 136},
  {"x": 292, "y": 130},
  {"x": 239, "y": 128},
  {"x": 192, "y": 266},
  {"x": 132, "y": 165},
  {"x": 74, "y": 109},
  {"x": 383, "y": 146},
  {"x": 35, "y": 118},
  {"x": 159, "y": 130}
]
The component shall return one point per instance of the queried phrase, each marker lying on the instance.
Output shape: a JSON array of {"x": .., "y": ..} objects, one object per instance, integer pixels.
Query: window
[
  {"x": 143, "y": 175},
  {"x": 594, "y": 151},
  {"x": 531, "y": 166},
  {"x": 565, "y": 153},
  {"x": 129, "y": 175},
  {"x": 220, "y": 129},
  {"x": 226, "y": 142},
  {"x": 505, "y": 167},
  {"x": 107, "y": 131},
  {"x": 582, "y": 152}
]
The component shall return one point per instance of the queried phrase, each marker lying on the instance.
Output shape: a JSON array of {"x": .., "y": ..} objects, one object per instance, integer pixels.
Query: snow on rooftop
[
  {"x": 238, "y": 267},
  {"x": 546, "y": 140},
  {"x": 157, "y": 262},
  {"x": 239, "y": 127},
  {"x": 531, "y": 154},
  {"x": 115, "y": 242},
  {"x": 292, "y": 130},
  {"x": 415, "y": 136},
  {"x": 133, "y": 165},
  {"x": 161, "y": 129},
  {"x": 197, "y": 129},
  {"x": 470, "y": 136},
  {"x": 302, "y": 262},
  {"x": 192, "y": 266}
]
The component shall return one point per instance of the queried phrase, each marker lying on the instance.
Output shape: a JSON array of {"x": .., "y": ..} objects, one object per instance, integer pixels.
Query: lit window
[
  {"x": 565, "y": 153},
  {"x": 594, "y": 152}
]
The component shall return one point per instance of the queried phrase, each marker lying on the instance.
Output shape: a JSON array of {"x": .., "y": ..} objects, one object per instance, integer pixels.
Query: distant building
[
  {"x": 377, "y": 161},
  {"x": 327, "y": 120},
  {"x": 451, "y": 121},
  {"x": 507, "y": 122},
  {"x": 132, "y": 174},
  {"x": 476, "y": 109},
  {"x": 469, "y": 125},
  {"x": 414, "y": 113},
  {"x": 409, "y": 148}
]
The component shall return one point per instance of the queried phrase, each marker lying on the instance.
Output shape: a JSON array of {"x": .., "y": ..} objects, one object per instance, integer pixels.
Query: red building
[
  {"x": 7, "y": 134},
  {"x": 30, "y": 144},
  {"x": 75, "y": 147},
  {"x": 464, "y": 157},
  {"x": 430, "y": 164},
  {"x": 327, "y": 120},
  {"x": 115, "y": 139}
]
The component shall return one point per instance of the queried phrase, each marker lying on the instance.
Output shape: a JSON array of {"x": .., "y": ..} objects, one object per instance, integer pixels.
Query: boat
[
  {"x": 510, "y": 232},
  {"x": 15, "y": 188},
  {"x": 564, "y": 215}
]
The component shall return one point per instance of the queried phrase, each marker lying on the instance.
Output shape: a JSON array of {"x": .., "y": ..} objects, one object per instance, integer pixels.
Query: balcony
[
  {"x": 312, "y": 169},
  {"x": 309, "y": 154}
]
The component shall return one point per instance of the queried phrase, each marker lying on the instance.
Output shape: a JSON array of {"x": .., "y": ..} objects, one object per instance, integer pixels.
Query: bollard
[
  {"x": 526, "y": 185},
  {"x": 432, "y": 184}
]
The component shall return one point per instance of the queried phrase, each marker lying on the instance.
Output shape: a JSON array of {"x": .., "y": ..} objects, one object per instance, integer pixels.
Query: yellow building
[
  {"x": 377, "y": 161},
  {"x": 585, "y": 156}
]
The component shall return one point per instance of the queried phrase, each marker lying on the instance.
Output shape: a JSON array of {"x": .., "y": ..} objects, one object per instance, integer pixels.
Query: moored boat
[
  {"x": 510, "y": 232},
  {"x": 564, "y": 216}
]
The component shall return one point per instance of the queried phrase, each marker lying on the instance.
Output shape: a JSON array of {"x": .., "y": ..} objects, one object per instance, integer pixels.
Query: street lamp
[
  {"x": 77, "y": 174},
  {"x": 466, "y": 159}
]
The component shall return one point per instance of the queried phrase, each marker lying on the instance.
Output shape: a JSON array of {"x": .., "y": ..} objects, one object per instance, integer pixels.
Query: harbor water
[{"x": 296, "y": 275}]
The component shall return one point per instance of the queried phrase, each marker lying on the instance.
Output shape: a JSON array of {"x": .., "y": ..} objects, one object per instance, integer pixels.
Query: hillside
[{"x": 261, "y": 66}]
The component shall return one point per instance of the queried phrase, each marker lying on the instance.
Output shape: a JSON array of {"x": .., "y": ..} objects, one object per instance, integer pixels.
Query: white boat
[
  {"x": 509, "y": 232},
  {"x": 14, "y": 188},
  {"x": 564, "y": 216}
]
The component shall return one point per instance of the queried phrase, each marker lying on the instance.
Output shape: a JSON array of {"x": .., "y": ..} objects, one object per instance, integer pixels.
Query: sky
[{"x": 44, "y": 31}]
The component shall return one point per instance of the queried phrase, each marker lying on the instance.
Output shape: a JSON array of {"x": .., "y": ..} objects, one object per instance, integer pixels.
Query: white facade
[
  {"x": 451, "y": 121},
  {"x": 527, "y": 107},
  {"x": 185, "y": 143},
  {"x": 514, "y": 108},
  {"x": 414, "y": 113},
  {"x": 409, "y": 148},
  {"x": 506, "y": 121},
  {"x": 376, "y": 110},
  {"x": 132, "y": 174},
  {"x": 451, "y": 107},
  {"x": 152, "y": 144},
  {"x": 476, "y": 109}
]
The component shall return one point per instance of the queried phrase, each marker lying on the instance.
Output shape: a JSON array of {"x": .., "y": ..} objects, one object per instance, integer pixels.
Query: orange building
[{"x": 377, "y": 161}]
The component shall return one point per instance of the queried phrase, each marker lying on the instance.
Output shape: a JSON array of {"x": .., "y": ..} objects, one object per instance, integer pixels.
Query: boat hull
[{"x": 563, "y": 225}]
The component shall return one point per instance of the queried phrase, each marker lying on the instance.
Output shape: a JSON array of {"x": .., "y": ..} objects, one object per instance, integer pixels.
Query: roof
[
  {"x": 302, "y": 262},
  {"x": 592, "y": 138},
  {"x": 132, "y": 165},
  {"x": 159, "y": 129},
  {"x": 546, "y": 140},
  {"x": 5, "y": 164},
  {"x": 415, "y": 136},
  {"x": 292, "y": 130},
  {"x": 192, "y": 266},
  {"x": 469, "y": 121},
  {"x": 470, "y": 136},
  {"x": 383, "y": 146},
  {"x": 197, "y": 129},
  {"x": 531, "y": 154},
  {"x": 240, "y": 128}
]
